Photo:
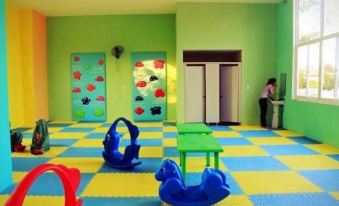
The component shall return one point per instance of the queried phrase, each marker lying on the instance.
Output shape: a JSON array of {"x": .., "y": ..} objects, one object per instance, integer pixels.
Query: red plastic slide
[{"x": 70, "y": 178}]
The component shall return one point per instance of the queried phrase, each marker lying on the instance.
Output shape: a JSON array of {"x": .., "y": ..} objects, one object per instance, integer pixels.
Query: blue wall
[{"x": 5, "y": 153}]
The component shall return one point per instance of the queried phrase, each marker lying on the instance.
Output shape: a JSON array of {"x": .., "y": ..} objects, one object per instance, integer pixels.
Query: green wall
[
  {"x": 217, "y": 26},
  {"x": 5, "y": 151},
  {"x": 68, "y": 35},
  {"x": 317, "y": 121}
]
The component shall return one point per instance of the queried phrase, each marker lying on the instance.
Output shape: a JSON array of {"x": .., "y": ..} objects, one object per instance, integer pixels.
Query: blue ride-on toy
[{"x": 111, "y": 154}]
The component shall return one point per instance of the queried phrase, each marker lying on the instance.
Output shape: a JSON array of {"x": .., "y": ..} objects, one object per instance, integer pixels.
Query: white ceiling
[{"x": 104, "y": 7}]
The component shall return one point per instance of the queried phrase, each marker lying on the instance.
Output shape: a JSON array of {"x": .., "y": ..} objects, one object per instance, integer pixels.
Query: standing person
[{"x": 267, "y": 93}]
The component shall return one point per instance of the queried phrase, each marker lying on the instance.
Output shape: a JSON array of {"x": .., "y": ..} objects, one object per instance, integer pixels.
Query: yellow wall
[
  {"x": 40, "y": 66},
  {"x": 14, "y": 72},
  {"x": 27, "y": 72}
]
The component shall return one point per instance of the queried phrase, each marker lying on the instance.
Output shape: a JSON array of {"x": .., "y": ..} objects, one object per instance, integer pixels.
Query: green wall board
[
  {"x": 88, "y": 87},
  {"x": 84, "y": 34},
  {"x": 315, "y": 120},
  {"x": 149, "y": 86},
  {"x": 221, "y": 26}
]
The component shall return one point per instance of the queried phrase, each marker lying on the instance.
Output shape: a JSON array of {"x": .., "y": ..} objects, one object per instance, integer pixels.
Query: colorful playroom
[{"x": 169, "y": 103}]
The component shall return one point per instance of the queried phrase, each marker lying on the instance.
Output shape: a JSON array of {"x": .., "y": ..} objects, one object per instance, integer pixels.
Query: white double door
[{"x": 212, "y": 93}]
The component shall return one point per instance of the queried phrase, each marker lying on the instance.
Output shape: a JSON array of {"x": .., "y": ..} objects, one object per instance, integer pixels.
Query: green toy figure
[
  {"x": 40, "y": 138},
  {"x": 16, "y": 142}
]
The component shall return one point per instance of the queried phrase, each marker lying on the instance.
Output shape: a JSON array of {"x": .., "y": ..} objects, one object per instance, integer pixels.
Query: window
[{"x": 316, "y": 50}]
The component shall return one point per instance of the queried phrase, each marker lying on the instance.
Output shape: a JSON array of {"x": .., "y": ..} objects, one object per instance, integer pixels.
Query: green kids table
[
  {"x": 193, "y": 128},
  {"x": 198, "y": 143}
]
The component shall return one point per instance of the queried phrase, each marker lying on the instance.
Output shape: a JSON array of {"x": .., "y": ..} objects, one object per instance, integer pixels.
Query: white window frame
[{"x": 297, "y": 44}]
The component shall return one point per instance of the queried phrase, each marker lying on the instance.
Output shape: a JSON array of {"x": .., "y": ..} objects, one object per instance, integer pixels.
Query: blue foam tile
[
  {"x": 219, "y": 128},
  {"x": 121, "y": 201},
  {"x": 328, "y": 180},
  {"x": 150, "y": 129},
  {"x": 143, "y": 142},
  {"x": 301, "y": 199},
  {"x": 336, "y": 156},
  {"x": 27, "y": 134},
  {"x": 173, "y": 152},
  {"x": 59, "y": 124},
  {"x": 96, "y": 135},
  {"x": 170, "y": 134},
  {"x": 173, "y": 124},
  {"x": 75, "y": 129},
  {"x": 258, "y": 133},
  {"x": 288, "y": 150},
  {"x": 24, "y": 164},
  {"x": 304, "y": 140},
  {"x": 62, "y": 142},
  {"x": 82, "y": 152},
  {"x": 148, "y": 165},
  {"x": 253, "y": 164},
  {"x": 234, "y": 141},
  {"x": 8, "y": 190}
]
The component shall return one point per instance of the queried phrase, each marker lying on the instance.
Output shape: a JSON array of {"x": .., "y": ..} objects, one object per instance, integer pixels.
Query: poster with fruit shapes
[
  {"x": 88, "y": 87},
  {"x": 149, "y": 86}
]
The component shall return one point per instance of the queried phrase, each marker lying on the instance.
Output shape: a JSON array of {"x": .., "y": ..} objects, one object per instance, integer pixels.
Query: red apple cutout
[
  {"x": 141, "y": 84},
  {"x": 76, "y": 58},
  {"x": 101, "y": 62},
  {"x": 77, "y": 75},
  {"x": 139, "y": 110},
  {"x": 159, "y": 93},
  {"x": 90, "y": 87},
  {"x": 159, "y": 64},
  {"x": 139, "y": 64}
]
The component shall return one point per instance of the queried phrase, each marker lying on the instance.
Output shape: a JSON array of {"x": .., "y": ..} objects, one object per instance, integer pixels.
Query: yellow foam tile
[
  {"x": 286, "y": 133},
  {"x": 3, "y": 199},
  {"x": 54, "y": 129},
  {"x": 323, "y": 149},
  {"x": 309, "y": 162},
  {"x": 89, "y": 143},
  {"x": 85, "y": 165},
  {"x": 53, "y": 152},
  {"x": 68, "y": 135},
  {"x": 170, "y": 129},
  {"x": 122, "y": 185},
  {"x": 244, "y": 150},
  {"x": 43, "y": 200},
  {"x": 235, "y": 200},
  {"x": 335, "y": 195},
  {"x": 17, "y": 176},
  {"x": 198, "y": 164},
  {"x": 149, "y": 151},
  {"x": 268, "y": 182},
  {"x": 247, "y": 127},
  {"x": 169, "y": 142},
  {"x": 271, "y": 141},
  {"x": 29, "y": 130},
  {"x": 86, "y": 125},
  {"x": 226, "y": 134},
  {"x": 148, "y": 124},
  {"x": 150, "y": 135}
]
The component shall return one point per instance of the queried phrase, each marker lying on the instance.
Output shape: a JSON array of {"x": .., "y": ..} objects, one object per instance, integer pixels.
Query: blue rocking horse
[
  {"x": 111, "y": 154},
  {"x": 173, "y": 190}
]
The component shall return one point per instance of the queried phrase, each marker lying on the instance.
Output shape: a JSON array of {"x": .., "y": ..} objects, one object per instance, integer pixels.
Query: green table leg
[
  {"x": 183, "y": 163},
  {"x": 216, "y": 160},
  {"x": 208, "y": 159}
]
